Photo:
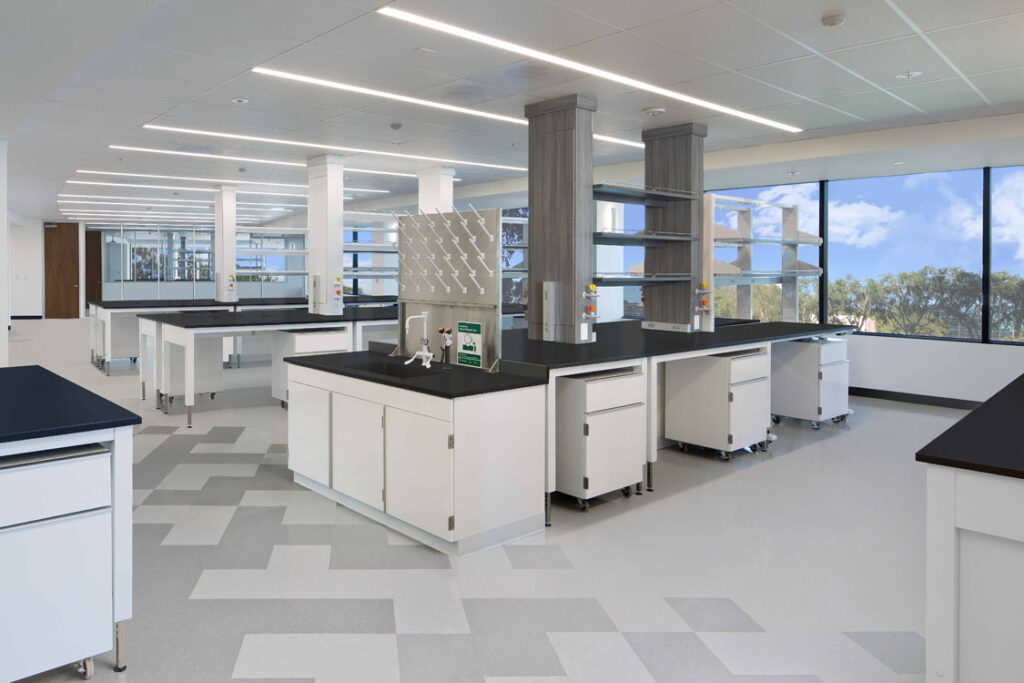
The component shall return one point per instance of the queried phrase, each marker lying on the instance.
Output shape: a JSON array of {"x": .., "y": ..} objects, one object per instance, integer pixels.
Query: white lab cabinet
[
  {"x": 601, "y": 433},
  {"x": 357, "y": 449},
  {"x": 810, "y": 379},
  {"x": 309, "y": 432},
  {"x": 720, "y": 401},
  {"x": 433, "y": 468},
  {"x": 420, "y": 463},
  {"x": 56, "y": 559},
  {"x": 288, "y": 343}
]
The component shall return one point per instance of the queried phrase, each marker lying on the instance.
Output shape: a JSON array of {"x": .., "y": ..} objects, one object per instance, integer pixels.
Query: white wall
[
  {"x": 26, "y": 244},
  {"x": 947, "y": 369}
]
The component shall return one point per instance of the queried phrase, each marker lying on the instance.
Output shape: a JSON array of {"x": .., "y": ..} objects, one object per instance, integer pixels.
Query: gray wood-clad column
[
  {"x": 674, "y": 160},
  {"x": 561, "y": 214}
]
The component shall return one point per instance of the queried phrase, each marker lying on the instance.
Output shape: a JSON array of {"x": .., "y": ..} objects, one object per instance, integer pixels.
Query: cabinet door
[
  {"x": 834, "y": 399},
  {"x": 309, "y": 432},
  {"x": 419, "y": 468},
  {"x": 357, "y": 449},
  {"x": 614, "y": 448},
  {"x": 749, "y": 407},
  {"x": 55, "y": 593}
]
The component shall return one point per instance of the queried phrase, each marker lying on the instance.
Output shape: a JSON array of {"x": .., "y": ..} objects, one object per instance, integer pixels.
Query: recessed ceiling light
[
  {"x": 577, "y": 66},
  {"x": 193, "y": 178},
  {"x": 239, "y": 100},
  {"x": 653, "y": 111},
  {"x": 329, "y": 148},
  {"x": 834, "y": 20},
  {"x": 908, "y": 75},
  {"x": 415, "y": 100},
  {"x": 898, "y": 163}
]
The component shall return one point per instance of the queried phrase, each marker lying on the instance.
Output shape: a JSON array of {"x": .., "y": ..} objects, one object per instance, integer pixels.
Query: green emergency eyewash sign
[{"x": 470, "y": 344}]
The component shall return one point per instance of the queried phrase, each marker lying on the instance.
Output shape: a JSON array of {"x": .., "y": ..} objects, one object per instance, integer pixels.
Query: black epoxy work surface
[
  {"x": 158, "y": 303},
  {"x": 446, "y": 381},
  {"x": 284, "y": 316},
  {"x": 623, "y": 340},
  {"x": 986, "y": 440},
  {"x": 35, "y": 402}
]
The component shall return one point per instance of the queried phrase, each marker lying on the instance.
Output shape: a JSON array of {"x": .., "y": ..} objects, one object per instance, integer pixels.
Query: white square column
[
  {"x": 5, "y": 260},
  {"x": 325, "y": 236},
  {"x": 224, "y": 226},
  {"x": 436, "y": 189}
]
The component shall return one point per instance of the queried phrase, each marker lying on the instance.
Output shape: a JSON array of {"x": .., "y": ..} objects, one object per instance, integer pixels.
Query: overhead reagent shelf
[
  {"x": 641, "y": 239},
  {"x": 634, "y": 194}
]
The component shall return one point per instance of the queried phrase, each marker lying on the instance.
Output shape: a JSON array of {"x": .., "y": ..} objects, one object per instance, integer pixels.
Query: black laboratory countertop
[
  {"x": 985, "y": 440},
  {"x": 280, "y": 316},
  {"x": 445, "y": 381},
  {"x": 269, "y": 301},
  {"x": 626, "y": 339},
  {"x": 158, "y": 303},
  {"x": 35, "y": 402}
]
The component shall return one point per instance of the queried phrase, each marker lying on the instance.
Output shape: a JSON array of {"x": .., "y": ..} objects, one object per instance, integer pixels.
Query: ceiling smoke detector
[
  {"x": 833, "y": 20},
  {"x": 653, "y": 111},
  {"x": 239, "y": 100},
  {"x": 396, "y": 126},
  {"x": 793, "y": 173},
  {"x": 907, "y": 75}
]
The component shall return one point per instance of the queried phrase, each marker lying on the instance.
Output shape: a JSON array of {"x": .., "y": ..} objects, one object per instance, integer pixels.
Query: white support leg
[{"x": 941, "y": 576}]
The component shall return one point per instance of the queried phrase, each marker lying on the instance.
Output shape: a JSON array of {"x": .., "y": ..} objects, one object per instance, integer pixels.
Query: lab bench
[
  {"x": 811, "y": 380},
  {"x": 65, "y": 523}
]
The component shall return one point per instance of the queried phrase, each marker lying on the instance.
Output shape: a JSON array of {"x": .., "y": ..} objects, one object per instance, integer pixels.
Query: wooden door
[
  {"x": 61, "y": 249},
  {"x": 93, "y": 265}
]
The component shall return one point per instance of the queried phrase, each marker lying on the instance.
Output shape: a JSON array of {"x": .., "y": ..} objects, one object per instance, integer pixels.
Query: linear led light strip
[
  {"x": 208, "y": 180},
  {"x": 500, "y": 44},
  {"x": 193, "y": 212},
  {"x": 65, "y": 202},
  {"x": 415, "y": 100},
  {"x": 208, "y": 202},
  {"x": 329, "y": 148},
  {"x": 183, "y": 189}
]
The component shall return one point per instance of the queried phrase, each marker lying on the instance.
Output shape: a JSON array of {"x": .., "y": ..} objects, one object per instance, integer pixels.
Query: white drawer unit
[
  {"x": 288, "y": 343},
  {"x": 720, "y": 401},
  {"x": 601, "y": 433},
  {"x": 56, "y": 559},
  {"x": 811, "y": 380}
]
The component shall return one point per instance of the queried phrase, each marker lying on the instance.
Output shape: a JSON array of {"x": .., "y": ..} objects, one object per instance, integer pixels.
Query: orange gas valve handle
[
  {"x": 592, "y": 308},
  {"x": 703, "y": 302}
]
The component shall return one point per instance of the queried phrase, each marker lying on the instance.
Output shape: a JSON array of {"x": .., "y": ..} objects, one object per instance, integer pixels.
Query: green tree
[
  {"x": 957, "y": 295},
  {"x": 850, "y": 301},
  {"x": 1007, "y": 306}
]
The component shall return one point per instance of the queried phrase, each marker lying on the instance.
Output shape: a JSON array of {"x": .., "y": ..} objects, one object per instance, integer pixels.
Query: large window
[
  {"x": 1007, "y": 289},
  {"x": 905, "y": 254},
  {"x": 158, "y": 262}
]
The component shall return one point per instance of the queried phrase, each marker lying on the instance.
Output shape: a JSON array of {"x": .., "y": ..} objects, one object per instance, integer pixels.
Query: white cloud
[
  {"x": 960, "y": 216},
  {"x": 1008, "y": 212},
  {"x": 861, "y": 224}
]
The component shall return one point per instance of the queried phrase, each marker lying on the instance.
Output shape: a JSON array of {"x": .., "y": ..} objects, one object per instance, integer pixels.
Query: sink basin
[{"x": 397, "y": 369}]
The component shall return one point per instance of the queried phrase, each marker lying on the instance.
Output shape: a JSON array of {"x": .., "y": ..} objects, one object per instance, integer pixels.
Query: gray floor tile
[
  {"x": 537, "y": 557},
  {"x": 901, "y": 651},
  {"x": 677, "y": 658},
  {"x": 429, "y": 658},
  {"x": 713, "y": 614},
  {"x": 536, "y": 615},
  {"x": 155, "y": 429},
  {"x": 516, "y": 653}
]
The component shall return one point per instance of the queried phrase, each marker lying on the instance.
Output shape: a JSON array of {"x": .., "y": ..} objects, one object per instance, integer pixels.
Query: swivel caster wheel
[
  {"x": 85, "y": 668},
  {"x": 837, "y": 420},
  {"x": 627, "y": 492},
  {"x": 724, "y": 456},
  {"x": 284, "y": 404},
  {"x": 213, "y": 395},
  {"x": 815, "y": 426},
  {"x": 583, "y": 504},
  {"x": 170, "y": 400},
  {"x": 134, "y": 360},
  {"x": 682, "y": 447},
  {"x": 776, "y": 419}
]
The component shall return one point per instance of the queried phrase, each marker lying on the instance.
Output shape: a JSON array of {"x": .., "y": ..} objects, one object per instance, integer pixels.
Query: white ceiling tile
[
  {"x": 989, "y": 46},
  {"x": 867, "y": 21},
  {"x": 882, "y": 62},
  {"x": 380, "y": 37},
  {"x": 736, "y": 90},
  {"x": 940, "y": 96},
  {"x": 873, "y": 105},
  {"x": 377, "y": 128},
  {"x": 230, "y": 117},
  {"x": 1002, "y": 87},
  {"x": 806, "y": 115},
  {"x": 299, "y": 19},
  {"x": 153, "y": 70},
  {"x": 935, "y": 14},
  {"x": 724, "y": 36},
  {"x": 289, "y": 99},
  {"x": 631, "y": 55},
  {"x": 631, "y": 106},
  {"x": 812, "y": 77},
  {"x": 126, "y": 100},
  {"x": 526, "y": 76},
  {"x": 534, "y": 23},
  {"x": 209, "y": 38},
  {"x": 346, "y": 67},
  {"x": 632, "y": 14},
  {"x": 463, "y": 93}
]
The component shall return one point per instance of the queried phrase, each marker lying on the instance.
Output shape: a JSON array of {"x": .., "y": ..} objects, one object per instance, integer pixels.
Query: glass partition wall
[{"x": 156, "y": 262}]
